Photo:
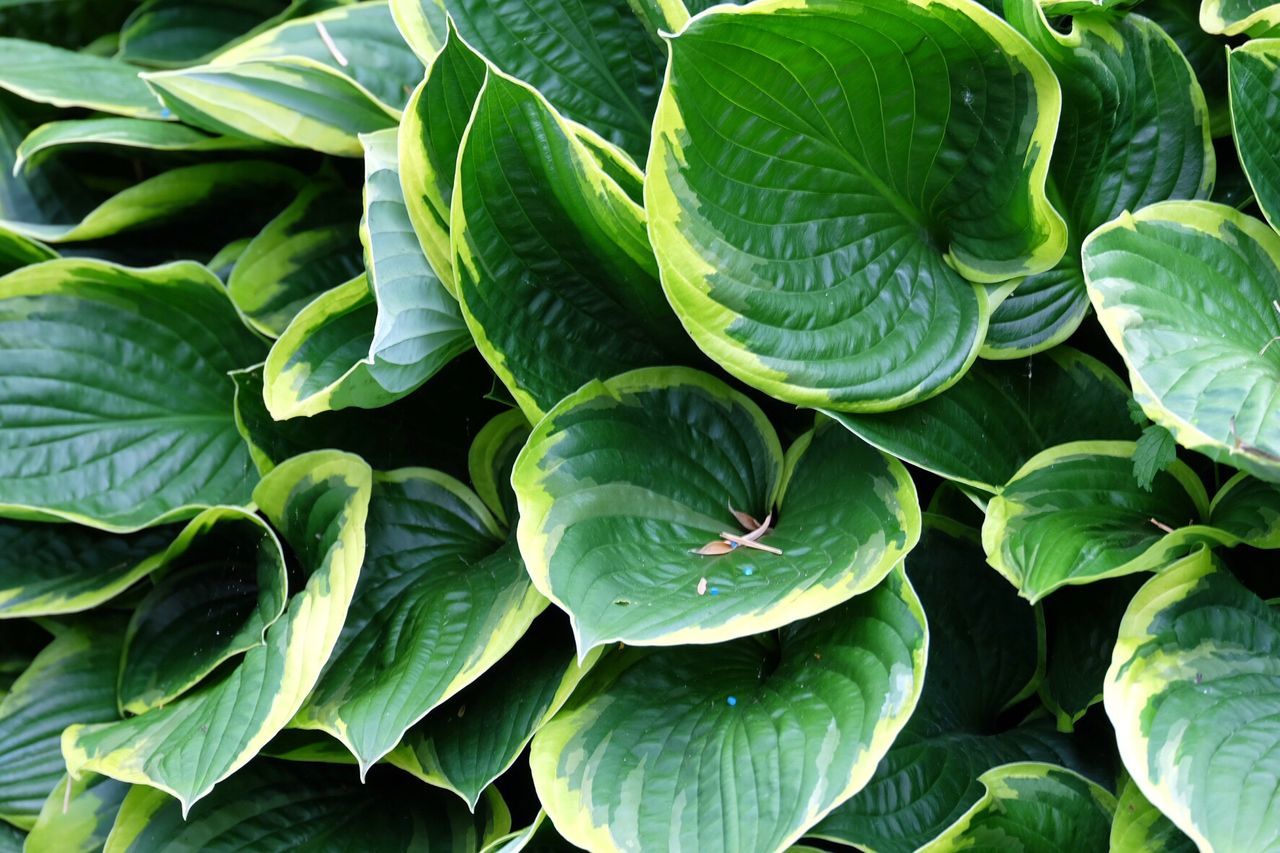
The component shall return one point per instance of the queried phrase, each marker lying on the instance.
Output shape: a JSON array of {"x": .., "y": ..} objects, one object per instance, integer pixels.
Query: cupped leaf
[
  {"x": 441, "y": 598},
  {"x": 1075, "y": 514},
  {"x": 310, "y": 247},
  {"x": 738, "y": 746},
  {"x": 318, "y": 502},
  {"x": 1248, "y": 511},
  {"x": 593, "y": 61},
  {"x": 72, "y": 680},
  {"x": 625, "y": 480},
  {"x": 492, "y": 456},
  {"x": 999, "y": 415},
  {"x": 220, "y": 585},
  {"x": 117, "y": 406},
  {"x": 1134, "y": 130},
  {"x": 430, "y": 137},
  {"x": 1254, "y": 72},
  {"x": 1031, "y": 806},
  {"x": 1233, "y": 17},
  {"x": 1194, "y": 695},
  {"x": 554, "y": 271},
  {"x": 827, "y": 187},
  {"x": 1185, "y": 291},
  {"x": 67, "y": 78},
  {"x": 984, "y": 656},
  {"x": 470, "y": 740},
  {"x": 1139, "y": 827},
  {"x": 50, "y": 569},
  {"x": 177, "y": 194},
  {"x": 122, "y": 133},
  {"x": 275, "y": 805},
  {"x": 77, "y": 816},
  {"x": 295, "y": 102}
]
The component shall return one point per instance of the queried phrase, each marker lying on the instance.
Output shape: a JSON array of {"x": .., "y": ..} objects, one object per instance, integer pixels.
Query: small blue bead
[
  {"x": 715, "y": 590},
  {"x": 748, "y": 571},
  {"x": 164, "y": 112},
  {"x": 733, "y": 700}
]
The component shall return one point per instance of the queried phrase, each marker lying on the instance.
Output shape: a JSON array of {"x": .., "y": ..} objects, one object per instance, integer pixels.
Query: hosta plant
[{"x": 639, "y": 425}]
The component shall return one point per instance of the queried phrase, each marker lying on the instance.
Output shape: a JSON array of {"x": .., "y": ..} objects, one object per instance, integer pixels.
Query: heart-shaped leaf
[
  {"x": 1020, "y": 407},
  {"x": 116, "y": 399},
  {"x": 825, "y": 220},
  {"x": 318, "y": 502},
  {"x": 1254, "y": 72},
  {"x": 798, "y": 720},
  {"x": 1194, "y": 695},
  {"x": 441, "y": 598},
  {"x": 625, "y": 479},
  {"x": 1134, "y": 130},
  {"x": 1185, "y": 291}
]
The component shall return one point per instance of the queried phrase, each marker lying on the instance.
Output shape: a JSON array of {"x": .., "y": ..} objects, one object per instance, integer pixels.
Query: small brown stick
[
  {"x": 714, "y": 549},
  {"x": 329, "y": 43},
  {"x": 1166, "y": 528},
  {"x": 749, "y": 543}
]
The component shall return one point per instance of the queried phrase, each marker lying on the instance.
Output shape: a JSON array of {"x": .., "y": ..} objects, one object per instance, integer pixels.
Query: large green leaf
[
  {"x": 1134, "y": 130},
  {"x": 1185, "y": 292},
  {"x": 174, "y": 33},
  {"x": 625, "y": 479},
  {"x": 984, "y": 428},
  {"x": 77, "y": 815},
  {"x": 72, "y": 680},
  {"x": 490, "y": 461},
  {"x": 829, "y": 191},
  {"x": 422, "y": 24},
  {"x": 65, "y": 78},
  {"x": 1194, "y": 694},
  {"x": 1075, "y": 514},
  {"x": 48, "y": 569},
  {"x": 219, "y": 587},
  {"x": 554, "y": 271},
  {"x": 1247, "y": 510},
  {"x": 116, "y": 399},
  {"x": 66, "y": 23},
  {"x": 1232, "y": 17},
  {"x": 174, "y": 195},
  {"x": 470, "y": 740},
  {"x": 273, "y": 806},
  {"x": 1254, "y": 71},
  {"x": 430, "y": 136},
  {"x": 983, "y": 657},
  {"x": 1032, "y": 808},
  {"x": 1139, "y": 827},
  {"x": 737, "y": 746},
  {"x": 124, "y": 133},
  {"x": 310, "y": 247},
  {"x": 1205, "y": 52},
  {"x": 18, "y": 251},
  {"x": 318, "y": 502},
  {"x": 592, "y": 59},
  {"x": 441, "y": 598}
]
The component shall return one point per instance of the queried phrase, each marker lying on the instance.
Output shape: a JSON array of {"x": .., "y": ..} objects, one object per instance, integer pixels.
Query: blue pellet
[{"x": 733, "y": 700}]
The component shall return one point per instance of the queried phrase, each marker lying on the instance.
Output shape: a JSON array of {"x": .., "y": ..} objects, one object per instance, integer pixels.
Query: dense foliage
[{"x": 639, "y": 425}]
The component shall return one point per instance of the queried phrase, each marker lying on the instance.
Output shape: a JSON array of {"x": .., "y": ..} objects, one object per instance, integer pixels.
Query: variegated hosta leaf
[
  {"x": 1206, "y": 52},
  {"x": 1134, "y": 130},
  {"x": 66, "y": 78},
  {"x": 1254, "y": 70},
  {"x": 625, "y": 479},
  {"x": 1233, "y": 17},
  {"x": 220, "y": 585},
  {"x": 175, "y": 195},
  {"x": 310, "y": 247},
  {"x": 441, "y": 598},
  {"x": 123, "y": 133},
  {"x": 368, "y": 344},
  {"x": 737, "y": 746},
  {"x": 1194, "y": 695},
  {"x": 77, "y": 820},
  {"x": 554, "y": 270},
  {"x": 981, "y": 430},
  {"x": 275, "y": 805},
  {"x": 538, "y": 837},
  {"x": 116, "y": 399},
  {"x": 592, "y": 60},
  {"x": 470, "y": 740},
  {"x": 430, "y": 136},
  {"x": 1075, "y": 514},
  {"x": 828, "y": 199},
  {"x": 1247, "y": 510},
  {"x": 1032, "y": 807},
  {"x": 1197, "y": 345},
  {"x": 17, "y": 251},
  {"x": 422, "y": 24},
  {"x": 318, "y": 502},
  {"x": 983, "y": 657},
  {"x": 72, "y": 680},
  {"x": 492, "y": 456},
  {"x": 1139, "y": 827},
  {"x": 49, "y": 569}
]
